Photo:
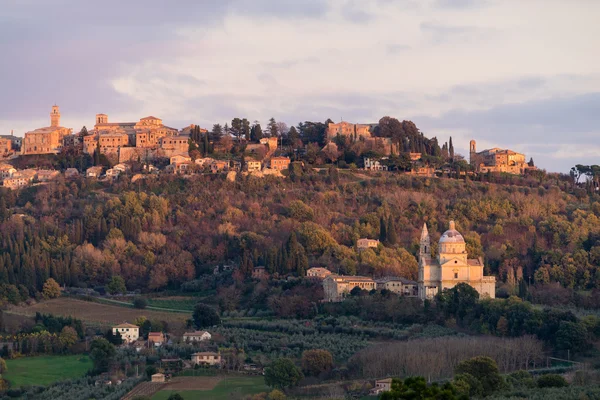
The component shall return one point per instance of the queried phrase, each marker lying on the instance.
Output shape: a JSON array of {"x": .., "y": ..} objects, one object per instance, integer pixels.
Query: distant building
[
  {"x": 423, "y": 171},
  {"x": 451, "y": 267},
  {"x": 71, "y": 173},
  {"x": 94, "y": 172},
  {"x": 253, "y": 165},
  {"x": 498, "y": 160},
  {"x": 44, "y": 175},
  {"x": 382, "y": 385},
  {"x": 206, "y": 358},
  {"x": 129, "y": 332},
  {"x": 6, "y": 147},
  {"x": 156, "y": 339},
  {"x": 6, "y": 171},
  {"x": 363, "y": 244},
  {"x": 280, "y": 163},
  {"x": 374, "y": 165},
  {"x": 197, "y": 336},
  {"x": 158, "y": 378},
  {"x": 347, "y": 129},
  {"x": 336, "y": 287},
  {"x": 48, "y": 140},
  {"x": 400, "y": 286},
  {"x": 318, "y": 272},
  {"x": 19, "y": 179}
]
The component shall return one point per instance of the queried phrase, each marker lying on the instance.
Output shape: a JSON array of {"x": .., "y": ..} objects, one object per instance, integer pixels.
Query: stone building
[
  {"x": 253, "y": 165},
  {"x": 363, "y": 244},
  {"x": 318, "y": 272},
  {"x": 48, "y": 140},
  {"x": 146, "y": 134},
  {"x": 337, "y": 287},
  {"x": 451, "y": 267},
  {"x": 497, "y": 160},
  {"x": 6, "y": 148},
  {"x": 400, "y": 286},
  {"x": 347, "y": 129}
]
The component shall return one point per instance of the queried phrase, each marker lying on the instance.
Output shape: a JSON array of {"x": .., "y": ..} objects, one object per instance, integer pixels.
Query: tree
[
  {"x": 116, "y": 285},
  {"x": 3, "y": 367},
  {"x": 67, "y": 337},
  {"x": 382, "y": 230},
  {"x": 551, "y": 380},
  {"x": 451, "y": 150},
  {"x": 256, "y": 132},
  {"x": 417, "y": 388},
  {"x": 114, "y": 338},
  {"x": 315, "y": 362},
  {"x": 458, "y": 301},
  {"x": 216, "y": 133},
  {"x": 102, "y": 353},
  {"x": 282, "y": 373},
  {"x": 140, "y": 303},
  {"x": 392, "y": 237},
  {"x": 205, "y": 316},
  {"x": 51, "y": 289},
  {"x": 571, "y": 336},
  {"x": 485, "y": 370},
  {"x": 272, "y": 127},
  {"x": 175, "y": 396}
]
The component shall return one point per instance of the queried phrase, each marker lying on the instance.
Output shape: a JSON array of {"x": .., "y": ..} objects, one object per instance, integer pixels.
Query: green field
[
  {"x": 225, "y": 390},
  {"x": 45, "y": 370}
]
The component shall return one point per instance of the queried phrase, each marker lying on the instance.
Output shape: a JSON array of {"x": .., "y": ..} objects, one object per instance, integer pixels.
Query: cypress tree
[
  {"x": 451, "y": 150},
  {"x": 392, "y": 238},
  {"x": 382, "y": 230}
]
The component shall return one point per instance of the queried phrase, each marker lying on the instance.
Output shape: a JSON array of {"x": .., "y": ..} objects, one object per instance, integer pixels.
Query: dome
[{"x": 452, "y": 235}]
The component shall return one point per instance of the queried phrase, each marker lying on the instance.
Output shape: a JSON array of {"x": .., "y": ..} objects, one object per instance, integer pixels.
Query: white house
[
  {"x": 129, "y": 332},
  {"x": 197, "y": 336}
]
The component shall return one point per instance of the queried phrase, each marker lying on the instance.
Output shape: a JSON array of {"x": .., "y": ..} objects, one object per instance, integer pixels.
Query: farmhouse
[
  {"x": 363, "y": 244},
  {"x": 197, "y": 336},
  {"x": 129, "y": 332},
  {"x": 156, "y": 338},
  {"x": 206, "y": 358}
]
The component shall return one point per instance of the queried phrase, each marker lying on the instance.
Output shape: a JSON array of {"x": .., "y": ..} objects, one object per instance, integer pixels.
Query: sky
[{"x": 518, "y": 74}]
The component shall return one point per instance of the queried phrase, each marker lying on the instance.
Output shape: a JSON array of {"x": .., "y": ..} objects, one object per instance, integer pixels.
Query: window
[{"x": 456, "y": 275}]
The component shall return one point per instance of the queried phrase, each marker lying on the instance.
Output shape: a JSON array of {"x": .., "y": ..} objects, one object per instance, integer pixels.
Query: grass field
[
  {"x": 102, "y": 314},
  {"x": 45, "y": 370},
  {"x": 227, "y": 389},
  {"x": 175, "y": 303}
]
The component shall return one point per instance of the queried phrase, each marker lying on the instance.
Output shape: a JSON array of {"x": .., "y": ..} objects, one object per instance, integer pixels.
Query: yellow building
[
  {"x": 497, "y": 160},
  {"x": 129, "y": 332},
  {"x": 206, "y": 358},
  {"x": 363, "y": 244},
  {"x": 451, "y": 267},
  {"x": 48, "y": 140}
]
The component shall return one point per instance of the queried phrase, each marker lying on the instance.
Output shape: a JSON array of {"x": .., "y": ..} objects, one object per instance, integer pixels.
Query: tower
[
  {"x": 472, "y": 152},
  {"x": 425, "y": 245},
  {"x": 101, "y": 119},
  {"x": 55, "y": 116}
]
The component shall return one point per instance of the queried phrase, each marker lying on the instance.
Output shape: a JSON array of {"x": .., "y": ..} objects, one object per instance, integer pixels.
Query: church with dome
[{"x": 451, "y": 266}]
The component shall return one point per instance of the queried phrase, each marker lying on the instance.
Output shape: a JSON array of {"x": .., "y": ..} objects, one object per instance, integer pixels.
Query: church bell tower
[
  {"x": 425, "y": 246},
  {"x": 55, "y": 116}
]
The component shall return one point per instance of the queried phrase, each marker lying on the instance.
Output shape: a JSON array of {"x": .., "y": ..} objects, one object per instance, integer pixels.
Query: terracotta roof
[
  {"x": 474, "y": 262},
  {"x": 197, "y": 333},
  {"x": 396, "y": 279},
  {"x": 206, "y": 353},
  {"x": 126, "y": 325},
  {"x": 147, "y": 118}
]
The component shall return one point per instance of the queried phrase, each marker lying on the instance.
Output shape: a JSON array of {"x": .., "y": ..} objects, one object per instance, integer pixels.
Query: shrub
[
  {"x": 140, "y": 302},
  {"x": 551, "y": 380}
]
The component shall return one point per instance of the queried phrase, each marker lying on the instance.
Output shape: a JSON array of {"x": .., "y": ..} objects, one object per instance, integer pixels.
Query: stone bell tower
[
  {"x": 425, "y": 246},
  {"x": 472, "y": 153},
  {"x": 55, "y": 116}
]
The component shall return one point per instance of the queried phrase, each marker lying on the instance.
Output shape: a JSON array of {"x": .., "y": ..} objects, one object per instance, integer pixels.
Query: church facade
[
  {"x": 451, "y": 267},
  {"x": 48, "y": 140}
]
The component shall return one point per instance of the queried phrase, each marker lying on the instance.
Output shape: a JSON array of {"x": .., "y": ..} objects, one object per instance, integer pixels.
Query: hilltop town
[
  {"x": 162, "y": 261},
  {"x": 111, "y": 149}
]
